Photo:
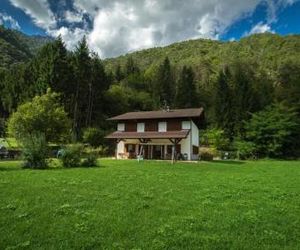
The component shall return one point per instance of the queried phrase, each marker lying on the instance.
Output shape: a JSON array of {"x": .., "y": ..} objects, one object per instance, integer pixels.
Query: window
[
  {"x": 195, "y": 150},
  {"x": 121, "y": 127},
  {"x": 162, "y": 126},
  {"x": 186, "y": 125},
  {"x": 141, "y": 127}
]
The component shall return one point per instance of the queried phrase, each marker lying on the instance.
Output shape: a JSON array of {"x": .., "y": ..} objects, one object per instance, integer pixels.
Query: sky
[{"x": 116, "y": 27}]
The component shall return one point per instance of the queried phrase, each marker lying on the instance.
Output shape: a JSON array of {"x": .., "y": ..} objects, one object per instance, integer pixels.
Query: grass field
[{"x": 152, "y": 205}]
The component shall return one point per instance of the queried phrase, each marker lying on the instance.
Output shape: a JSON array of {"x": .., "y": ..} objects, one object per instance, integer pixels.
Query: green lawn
[{"x": 152, "y": 205}]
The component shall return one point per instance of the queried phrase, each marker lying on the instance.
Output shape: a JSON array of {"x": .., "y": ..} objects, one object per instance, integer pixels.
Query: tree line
[{"x": 231, "y": 96}]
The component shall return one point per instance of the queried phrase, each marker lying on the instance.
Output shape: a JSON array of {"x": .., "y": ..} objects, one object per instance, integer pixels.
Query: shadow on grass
[
  {"x": 7, "y": 169},
  {"x": 229, "y": 162},
  {"x": 21, "y": 168}
]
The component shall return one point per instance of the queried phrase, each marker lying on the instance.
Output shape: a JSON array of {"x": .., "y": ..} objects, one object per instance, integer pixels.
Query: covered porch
[
  {"x": 149, "y": 151},
  {"x": 150, "y": 145}
]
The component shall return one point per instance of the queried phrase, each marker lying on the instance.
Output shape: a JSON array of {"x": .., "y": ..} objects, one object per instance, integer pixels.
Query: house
[{"x": 164, "y": 134}]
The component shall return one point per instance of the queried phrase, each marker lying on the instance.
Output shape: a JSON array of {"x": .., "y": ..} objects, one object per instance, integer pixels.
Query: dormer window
[
  {"x": 162, "y": 127},
  {"x": 141, "y": 127},
  {"x": 121, "y": 127}
]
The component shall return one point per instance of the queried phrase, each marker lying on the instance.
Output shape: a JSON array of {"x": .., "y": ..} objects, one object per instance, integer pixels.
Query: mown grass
[{"x": 152, "y": 205}]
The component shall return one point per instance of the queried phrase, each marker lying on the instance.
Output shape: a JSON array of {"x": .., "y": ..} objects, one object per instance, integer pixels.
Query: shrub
[
  {"x": 35, "y": 151},
  {"x": 93, "y": 136},
  {"x": 206, "y": 154},
  {"x": 215, "y": 138},
  {"x": 99, "y": 151},
  {"x": 90, "y": 161},
  {"x": 244, "y": 149},
  {"x": 273, "y": 130},
  {"x": 71, "y": 155},
  {"x": 43, "y": 114}
]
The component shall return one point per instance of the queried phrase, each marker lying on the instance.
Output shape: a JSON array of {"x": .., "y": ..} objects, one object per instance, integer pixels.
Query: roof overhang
[
  {"x": 182, "y": 134},
  {"x": 160, "y": 114}
]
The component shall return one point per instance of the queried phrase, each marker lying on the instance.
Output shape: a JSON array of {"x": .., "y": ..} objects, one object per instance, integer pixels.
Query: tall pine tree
[
  {"x": 164, "y": 85},
  {"x": 186, "y": 94},
  {"x": 131, "y": 67},
  {"x": 83, "y": 86},
  {"x": 223, "y": 104},
  {"x": 119, "y": 75},
  {"x": 100, "y": 83}
]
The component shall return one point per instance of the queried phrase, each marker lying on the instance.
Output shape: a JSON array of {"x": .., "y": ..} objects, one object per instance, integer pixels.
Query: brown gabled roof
[
  {"x": 149, "y": 135},
  {"x": 161, "y": 114}
]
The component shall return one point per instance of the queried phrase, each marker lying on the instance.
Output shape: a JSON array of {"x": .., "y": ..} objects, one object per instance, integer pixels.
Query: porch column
[
  {"x": 174, "y": 142},
  {"x": 117, "y": 144}
]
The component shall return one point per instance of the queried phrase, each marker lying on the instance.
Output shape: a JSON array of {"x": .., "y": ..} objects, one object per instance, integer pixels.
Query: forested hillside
[
  {"x": 240, "y": 84},
  {"x": 267, "y": 50},
  {"x": 17, "y": 47}
]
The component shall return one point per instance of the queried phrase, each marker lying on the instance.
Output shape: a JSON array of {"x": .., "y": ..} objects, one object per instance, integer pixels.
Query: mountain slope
[
  {"x": 267, "y": 50},
  {"x": 17, "y": 47}
]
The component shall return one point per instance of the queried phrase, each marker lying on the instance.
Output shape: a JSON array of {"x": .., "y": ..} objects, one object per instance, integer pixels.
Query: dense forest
[{"x": 241, "y": 85}]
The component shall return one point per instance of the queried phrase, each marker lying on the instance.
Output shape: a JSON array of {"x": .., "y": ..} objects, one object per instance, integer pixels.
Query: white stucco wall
[
  {"x": 186, "y": 146},
  {"x": 120, "y": 149},
  {"x": 195, "y": 140},
  {"x": 195, "y": 132}
]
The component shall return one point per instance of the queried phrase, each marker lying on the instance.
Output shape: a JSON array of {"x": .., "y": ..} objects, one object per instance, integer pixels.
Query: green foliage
[
  {"x": 223, "y": 107},
  {"x": 2, "y": 127},
  {"x": 164, "y": 84},
  {"x": 235, "y": 97},
  {"x": 259, "y": 70},
  {"x": 288, "y": 89},
  {"x": 119, "y": 75},
  {"x": 94, "y": 136},
  {"x": 273, "y": 130},
  {"x": 71, "y": 156},
  {"x": 16, "y": 86},
  {"x": 186, "y": 94},
  {"x": 123, "y": 99},
  {"x": 245, "y": 149},
  {"x": 35, "y": 151},
  {"x": 90, "y": 161},
  {"x": 16, "y": 47},
  {"x": 215, "y": 138},
  {"x": 53, "y": 68},
  {"x": 131, "y": 67},
  {"x": 42, "y": 115},
  {"x": 206, "y": 154}
]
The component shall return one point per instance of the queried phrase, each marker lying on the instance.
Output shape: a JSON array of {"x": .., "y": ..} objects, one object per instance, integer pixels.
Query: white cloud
[
  {"x": 132, "y": 24},
  {"x": 73, "y": 17},
  {"x": 39, "y": 11},
  {"x": 8, "y": 20},
  {"x": 119, "y": 26},
  {"x": 71, "y": 37},
  {"x": 260, "y": 28}
]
